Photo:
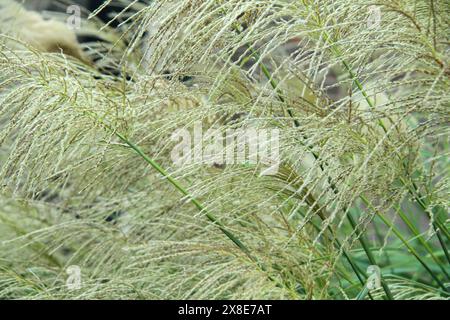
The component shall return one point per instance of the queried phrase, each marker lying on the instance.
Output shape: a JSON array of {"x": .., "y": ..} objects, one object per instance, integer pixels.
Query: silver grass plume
[{"x": 87, "y": 178}]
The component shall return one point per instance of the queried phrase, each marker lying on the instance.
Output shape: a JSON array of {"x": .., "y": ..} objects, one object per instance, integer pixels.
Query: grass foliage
[{"x": 363, "y": 112}]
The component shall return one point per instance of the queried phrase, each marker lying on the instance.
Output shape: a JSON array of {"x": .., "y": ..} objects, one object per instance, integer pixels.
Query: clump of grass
[{"x": 88, "y": 180}]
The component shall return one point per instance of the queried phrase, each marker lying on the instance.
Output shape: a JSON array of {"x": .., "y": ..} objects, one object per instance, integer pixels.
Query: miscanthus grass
[{"x": 358, "y": 90}]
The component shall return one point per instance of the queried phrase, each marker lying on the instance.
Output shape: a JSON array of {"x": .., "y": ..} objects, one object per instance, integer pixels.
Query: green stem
[
  {"x": 360, "y": 274},
  {"x": 414, "y": 192},
  {"x": 197, "y": 204},
  {"x": 405, "y": 242},
  {"x": 363, "y": 293},
  {"x": 368, "y": 252},
  {"x": 180, "y": 188},
  {"x": 272, "y": 82},
  {"x": 274, "y": 85},
  {"x": 419, "y": 237}
]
